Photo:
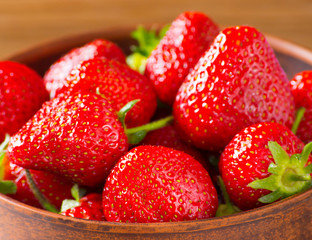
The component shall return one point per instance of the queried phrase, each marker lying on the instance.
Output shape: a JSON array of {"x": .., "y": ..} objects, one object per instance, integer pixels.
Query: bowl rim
[
  {"x": 249, "y": 216},
  {"x": 57, "y": 43},
  {"x": 280, "y": 45}
]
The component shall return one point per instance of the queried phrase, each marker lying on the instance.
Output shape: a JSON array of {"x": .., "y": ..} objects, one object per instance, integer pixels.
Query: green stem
[
  {"x": 39, "y": 196},
  {"x": 228, "y": 208},
  {"x": 299, "y": 116},
  {"x": 150, "y": 126}
]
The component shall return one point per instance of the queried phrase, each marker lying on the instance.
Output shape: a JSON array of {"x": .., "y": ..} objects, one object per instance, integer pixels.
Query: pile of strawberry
[{"x": 197, "y": 122}]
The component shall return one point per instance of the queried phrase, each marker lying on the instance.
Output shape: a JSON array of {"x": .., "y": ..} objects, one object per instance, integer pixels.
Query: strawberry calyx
[
  {"x": 289, "y": 174},
  {"x": 147, "y": 42},
  {"x": 137, "y": 134},
  {"x": 45, "y": 203},
  {"x": 299, "y": 115},
  {"x": 228, "y": 207},
  {"x": 77, "y": 193}
]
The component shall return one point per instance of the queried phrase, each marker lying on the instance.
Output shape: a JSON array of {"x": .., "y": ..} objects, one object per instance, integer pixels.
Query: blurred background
[{"x": 25, "y": 23}]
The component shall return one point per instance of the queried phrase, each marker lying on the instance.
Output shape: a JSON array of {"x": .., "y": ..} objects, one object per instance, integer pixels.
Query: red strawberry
[
  {"x": 169, "y": 137},
  {"x": 55, "y": 76},
  {"x": 262, "y": 151},
  {"x": 158, "y": 184},
  {"x": 236, "y": 83},
  {"x": 22, "y": 93},
  {"x": 301, "y": 87},
  {"x": 54, "y": 188},
  {"x": 186, "y": 40},
  {"x": 77, "y": 136},
  {"x": 119, "y": 84},
  {"x": 90, "y": 208}
]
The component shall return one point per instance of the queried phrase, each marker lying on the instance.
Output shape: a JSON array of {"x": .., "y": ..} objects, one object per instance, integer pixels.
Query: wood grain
[{"x": 24, "y": 23}]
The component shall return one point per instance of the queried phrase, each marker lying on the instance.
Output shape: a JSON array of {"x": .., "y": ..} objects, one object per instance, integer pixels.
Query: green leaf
[
  {"x": 279, "y": 154},
  {"x": 45, "y": 203},
  {"x": 299, "y": 115},
  {"x": 305, "y": 153},
  {"x": 271, "y": 197},
  {"x": 273, "y": 168},
  {"x": 7, "y": 187},
  {"x": 137, "y": 61},
  {"x": 228, "y": 208},
  {"x": 288, "y": 174},
  {"x": 137, "y": 134},
  {"x": 136, "y": 137},
  {"x": 147, "y": 42},
  {"x": 69, "y": 203},
  {"x": 268, "y": 183},
  {"x": 308, "y": 169},
  {"x": 77, "y": 192}
]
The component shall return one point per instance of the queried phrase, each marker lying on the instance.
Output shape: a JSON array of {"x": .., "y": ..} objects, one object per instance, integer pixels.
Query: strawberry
[
  {"x": 188, "y": 37},
  {"x": 158, "y": 184},
  {"x": 236, "y": 83},
  {"x": 120, "y": 85},
  {"x": 169, "y": 137},
  {"x": 77, "y": 136},
  {"x": 22, "y": 93},
  {"x": 301, "y": 88},
  {"x": 90, "y": 207},
  {"x": 263, "y": 164},
  {"x": 54, "y": 78},
  {"x": 54, "y": 188}
]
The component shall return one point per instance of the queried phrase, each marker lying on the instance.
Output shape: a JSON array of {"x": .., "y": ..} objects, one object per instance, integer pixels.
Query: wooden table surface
[{"x": 24, "y": 23}]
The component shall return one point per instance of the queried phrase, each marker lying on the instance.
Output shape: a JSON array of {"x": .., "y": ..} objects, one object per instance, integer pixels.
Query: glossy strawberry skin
[
  {"x": 54, "y": 78},
  {"x": 119, "y": 84},
  {"x": 22, "y": 93},
  {"x": 247, "y": 158},
  {"x": 77, "y": 136},
  {"x": 236, "y": 83},
  {"x": 169, "y": 137},
  {"x": 90, "y": 208},
  {"x": 54, "y": 188},
  {"x": 301, "y": 88},
  {"x": 186, "y": 40},
  {"x": 158, "y": 184}
]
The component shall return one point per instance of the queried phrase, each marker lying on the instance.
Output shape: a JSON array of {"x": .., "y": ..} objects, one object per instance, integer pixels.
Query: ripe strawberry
[
  {"x": 54, "y": 188},
  {"x": 262, "y": 152},
  {"x": 90, "y": 208},
  {"x": 169, "y": 137},
  {"x": 77, "y": 136},
  {"x": 158, "y": 184},
  {"x": 22, "y": 93},
  {"x": 186, "y": 40},
  {"x": 54, "y": 78},
  {"x": 236, "y": 83},
  {"x": 301, "y": 88},
  {"x": 120, "y": 85}
]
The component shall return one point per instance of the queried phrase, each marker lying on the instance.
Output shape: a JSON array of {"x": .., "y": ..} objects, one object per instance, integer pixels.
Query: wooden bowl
[{"x": 287, "y": 219}]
